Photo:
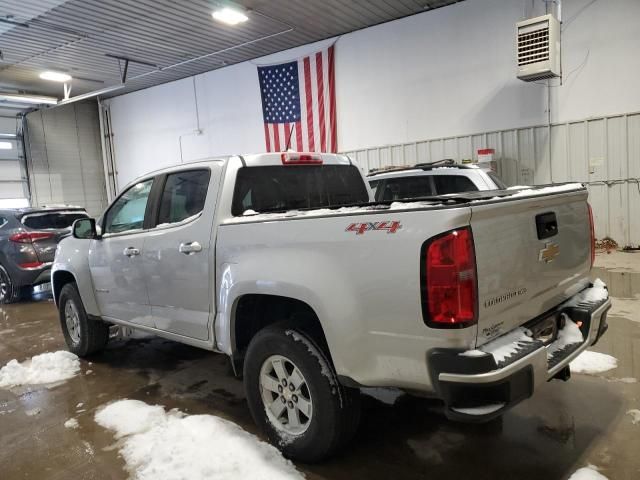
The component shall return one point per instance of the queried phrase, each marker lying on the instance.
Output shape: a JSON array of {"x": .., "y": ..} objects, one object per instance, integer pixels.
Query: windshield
[{"x": 294, "y": 187}]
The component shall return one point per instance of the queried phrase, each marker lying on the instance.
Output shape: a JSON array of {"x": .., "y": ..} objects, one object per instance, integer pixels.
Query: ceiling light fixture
[
  {"x": 31, "y": 99},
  {"x": 55, "y": 76},
  {"x": 6, "y": 145},
  {"x": 229, "y": 16}
]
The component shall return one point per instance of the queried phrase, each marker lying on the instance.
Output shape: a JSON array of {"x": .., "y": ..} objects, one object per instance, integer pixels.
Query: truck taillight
[
  {"x": 300, "y": 159},
  {"x": 593, "y": 235},
  {"x": 450, "y": 289},
  {"x": 30, "y": 237}
]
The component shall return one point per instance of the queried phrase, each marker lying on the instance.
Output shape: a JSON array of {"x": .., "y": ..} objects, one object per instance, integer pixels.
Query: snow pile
[
  {"x": 163, "y": 445},
  {"x": 71, "y": 423},
  {"x": 593, "y": 362},
  {"x": 596, "y": 293},
  {"x": 546, "y": 190},
  {"x": 635, "y": 415},
  {"x": 506, "y": 345},
  {"x": 569, "y": 335},
  {"x": 587, "y": 473},
  {"x": 45, "y": 368}
]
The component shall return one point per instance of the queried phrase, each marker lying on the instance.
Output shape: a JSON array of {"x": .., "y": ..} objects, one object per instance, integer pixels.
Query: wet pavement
[{"x": 565, "y": 426}]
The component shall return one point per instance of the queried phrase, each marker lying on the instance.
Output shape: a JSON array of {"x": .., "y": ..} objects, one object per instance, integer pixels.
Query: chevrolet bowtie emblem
[{"x": 549, "y": 252}]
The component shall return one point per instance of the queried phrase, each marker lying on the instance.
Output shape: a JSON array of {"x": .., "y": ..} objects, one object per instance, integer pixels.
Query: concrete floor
[{"x": 565, "y": 426}]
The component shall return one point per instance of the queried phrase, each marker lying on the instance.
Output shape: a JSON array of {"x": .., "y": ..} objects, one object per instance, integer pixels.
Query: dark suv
[{"x": 28, "y": 241}]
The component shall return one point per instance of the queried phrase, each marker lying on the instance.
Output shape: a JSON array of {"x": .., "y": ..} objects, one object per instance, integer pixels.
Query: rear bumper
[
  {"x": 31, "y": 276},
  {"x": 477, "y": 388}
]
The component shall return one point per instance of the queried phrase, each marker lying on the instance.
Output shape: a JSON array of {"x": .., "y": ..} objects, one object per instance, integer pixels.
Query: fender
[
  {"x": 257, "y": 273},
  {"x": 72, "y": 257}
]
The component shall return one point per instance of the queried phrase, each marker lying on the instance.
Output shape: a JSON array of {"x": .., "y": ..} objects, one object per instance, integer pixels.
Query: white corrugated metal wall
[
  {"x": 65, "y": 157},
  {"x": 13, "y": 178},
  {"x": 602, "y": 152}
]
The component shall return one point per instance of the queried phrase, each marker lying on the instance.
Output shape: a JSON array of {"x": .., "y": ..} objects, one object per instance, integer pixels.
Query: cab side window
[
  {"x": 453, "y": 184},
  {"x": 3, "y": 222},
  {"x": 183, "y": 195},
  {"x": 127, "y": 213}
]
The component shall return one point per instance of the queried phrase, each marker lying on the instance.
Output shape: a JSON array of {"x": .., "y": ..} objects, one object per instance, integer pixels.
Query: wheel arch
[{"x": 253, "y": 312}]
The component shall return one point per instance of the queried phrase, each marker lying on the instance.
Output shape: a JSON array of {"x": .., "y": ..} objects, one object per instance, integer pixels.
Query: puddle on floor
[{"x": 620, "y": 284}]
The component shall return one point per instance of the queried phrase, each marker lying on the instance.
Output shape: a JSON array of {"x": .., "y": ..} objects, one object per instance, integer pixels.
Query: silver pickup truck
[{"x": 283, "y": 263}]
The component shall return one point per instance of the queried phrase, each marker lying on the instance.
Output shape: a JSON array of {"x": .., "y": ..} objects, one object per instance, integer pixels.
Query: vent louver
[{"x": 538, "y": 47}]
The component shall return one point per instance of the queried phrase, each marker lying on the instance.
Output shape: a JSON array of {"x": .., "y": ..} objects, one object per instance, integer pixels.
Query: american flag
[{"x": 299, "y": 102}]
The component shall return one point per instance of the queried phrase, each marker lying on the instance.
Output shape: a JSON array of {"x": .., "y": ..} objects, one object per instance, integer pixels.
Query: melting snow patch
[
  {"x": 44, "y": 368},
  {"x": 587, "y": 473},
  {"x": 71, "y": 423},
  {"x": 569, "y": 335},
  {"x": 596, "y": 293},
  {"x": 546, "y": 190},
  {"x": 162, "y": 445},
  {"x": 635, "y": 415},
  {"x": 508, "y": 344},
  {"x": 593, "y": 362}
]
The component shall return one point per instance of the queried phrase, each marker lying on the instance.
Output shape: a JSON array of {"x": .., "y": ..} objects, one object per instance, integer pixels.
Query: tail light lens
[
  {"x": 593, "y": 235},
  {"x": 450, "y": 289},
  {"x": 30, "y": 237},
  {"x": 31, "y": 265}
]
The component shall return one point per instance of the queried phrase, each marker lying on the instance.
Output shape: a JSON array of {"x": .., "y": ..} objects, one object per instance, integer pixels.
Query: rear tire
[
  {"x": 9, "y": 292},
  {"x": 327, "y": 412},
  {"x": 83, "y": 335}
]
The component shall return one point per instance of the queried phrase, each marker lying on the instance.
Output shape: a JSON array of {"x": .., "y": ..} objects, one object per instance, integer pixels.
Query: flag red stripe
[
  {"x": 332, "y": 101},
  {"x": 276, "y": 137},
  {"x": 266, "y": 137},
  {"x": 321, "y": 120},
  {"x": 298, "y": 127},
  {"x": 309, "y": 99}
]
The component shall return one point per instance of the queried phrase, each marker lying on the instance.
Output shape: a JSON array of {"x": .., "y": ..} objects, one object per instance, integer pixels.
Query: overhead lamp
[
  {"x": 55, "y": 76},
  {"x": 230, "y": 16},
  {"x": 6, "y": 145},
  {"x": 31, "y": 99},
  {"x": 8, "y": 135}
]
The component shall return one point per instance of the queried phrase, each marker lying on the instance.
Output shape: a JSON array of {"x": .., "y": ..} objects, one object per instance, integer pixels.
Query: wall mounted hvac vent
[{"x": 538, "y": 48}]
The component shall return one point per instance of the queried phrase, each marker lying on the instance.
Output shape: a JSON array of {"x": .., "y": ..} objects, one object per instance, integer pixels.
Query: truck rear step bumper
[{"x": 477, "y": 388}]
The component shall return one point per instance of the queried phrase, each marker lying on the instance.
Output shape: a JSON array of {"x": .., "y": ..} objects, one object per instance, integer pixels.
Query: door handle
[
  {"x": 190, "y": 248},
  {"x": 131, "y": 251}
]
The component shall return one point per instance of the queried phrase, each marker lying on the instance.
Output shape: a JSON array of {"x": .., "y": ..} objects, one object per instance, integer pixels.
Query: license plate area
[{"x": 545, "y": 329}]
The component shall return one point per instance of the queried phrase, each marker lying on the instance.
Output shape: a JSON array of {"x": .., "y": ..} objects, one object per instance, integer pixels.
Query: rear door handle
[
  {"x": 131, "y": 251},
  {"x": 190, "y": 248}
]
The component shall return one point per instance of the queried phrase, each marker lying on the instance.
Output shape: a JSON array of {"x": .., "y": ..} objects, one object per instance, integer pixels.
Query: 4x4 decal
[{"x": 388, "y": 226}]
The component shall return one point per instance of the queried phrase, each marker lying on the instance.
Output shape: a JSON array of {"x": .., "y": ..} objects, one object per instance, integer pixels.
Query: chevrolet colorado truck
[{"x": 284, "y": 263}]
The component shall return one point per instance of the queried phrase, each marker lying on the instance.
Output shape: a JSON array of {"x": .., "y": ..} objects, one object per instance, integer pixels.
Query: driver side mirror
[{"x": 85, "y": 229}]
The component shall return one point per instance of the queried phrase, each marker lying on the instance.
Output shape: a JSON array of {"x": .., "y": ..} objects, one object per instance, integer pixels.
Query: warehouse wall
[
  {"x": 13, "y": 183},
  {"x": 445, "y": 73},
  {"x": 64, "y": 157}
]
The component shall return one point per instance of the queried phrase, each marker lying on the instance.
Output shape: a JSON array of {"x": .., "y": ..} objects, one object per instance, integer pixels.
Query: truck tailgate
[{"x": 532, "y": 252}]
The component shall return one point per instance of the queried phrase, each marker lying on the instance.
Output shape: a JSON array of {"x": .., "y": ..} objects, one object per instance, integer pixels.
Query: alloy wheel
[
  {"x": 285, "y": 395},
  {"x": 72, "y": 319}
]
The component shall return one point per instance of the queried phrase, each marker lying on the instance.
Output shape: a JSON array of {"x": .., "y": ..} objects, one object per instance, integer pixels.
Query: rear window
[
  {"x": 183, "y": 196},
  {"x": 53, "y": 220},
  {"x": 453, "y": 184},
  {"x": 404, "y": 188},
  {"x": 294, "y": 187}
]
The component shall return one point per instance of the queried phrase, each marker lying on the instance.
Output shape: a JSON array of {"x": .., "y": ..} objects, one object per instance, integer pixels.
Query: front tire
[
  {"x": 83, "y": 336},
  {"x": 295, "y": 397}
]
